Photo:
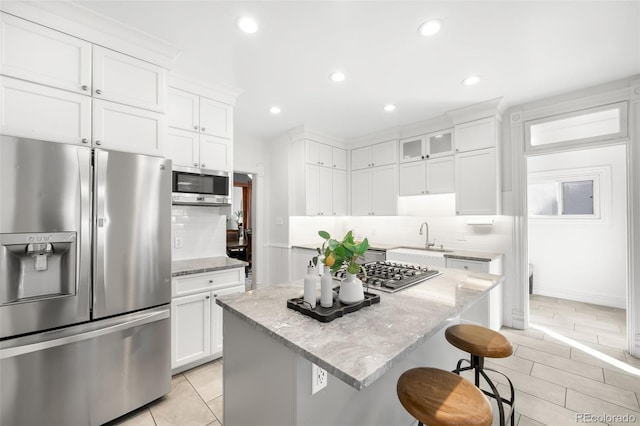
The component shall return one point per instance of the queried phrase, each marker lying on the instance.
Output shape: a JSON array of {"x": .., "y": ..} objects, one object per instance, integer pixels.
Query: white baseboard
[{"x": 596, "y": 299}]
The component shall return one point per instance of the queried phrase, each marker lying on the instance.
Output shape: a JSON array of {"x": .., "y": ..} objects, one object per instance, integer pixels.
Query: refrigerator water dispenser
[{"x": 37, "y": 266}]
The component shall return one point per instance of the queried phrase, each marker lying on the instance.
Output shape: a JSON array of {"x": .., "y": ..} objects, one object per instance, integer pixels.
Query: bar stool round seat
[
  {"x": 437, "y": 398},
  {"x": 479, "y": 341}
]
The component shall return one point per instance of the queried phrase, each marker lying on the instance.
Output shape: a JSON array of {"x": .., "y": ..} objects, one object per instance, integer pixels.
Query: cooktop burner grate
[{"x": 391, "y": 277}]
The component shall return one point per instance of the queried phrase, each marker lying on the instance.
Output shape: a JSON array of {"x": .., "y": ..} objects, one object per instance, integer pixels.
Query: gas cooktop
[{"x": 391, "y": 277}]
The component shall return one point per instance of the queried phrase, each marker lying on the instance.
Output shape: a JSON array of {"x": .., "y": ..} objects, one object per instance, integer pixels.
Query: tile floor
[{"x": 554, "y": 378}]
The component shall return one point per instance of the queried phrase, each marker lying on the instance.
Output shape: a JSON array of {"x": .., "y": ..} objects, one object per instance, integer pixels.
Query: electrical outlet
[
  {"x": 318, "y": 378},
  {"x": 177, "y": 242}
]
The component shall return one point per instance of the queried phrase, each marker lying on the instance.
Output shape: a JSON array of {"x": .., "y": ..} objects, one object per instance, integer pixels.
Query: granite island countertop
[
  {"x": 206, "y": 264},
  {"x": 481, "y": 256},
  {"x": 360, "y": 347}
]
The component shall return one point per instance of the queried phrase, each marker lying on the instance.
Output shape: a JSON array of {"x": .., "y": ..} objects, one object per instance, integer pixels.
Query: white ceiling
[{"x": 523, "y": 50}]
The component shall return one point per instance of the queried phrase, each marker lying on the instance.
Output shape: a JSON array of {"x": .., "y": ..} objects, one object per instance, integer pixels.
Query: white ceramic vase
[{"x": 351, "y": 290}]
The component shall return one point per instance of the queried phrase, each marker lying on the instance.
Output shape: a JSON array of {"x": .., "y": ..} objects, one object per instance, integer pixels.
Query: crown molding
[
  {"x": 490, "y": 108},
  {"x": 219, "y": 91},
  {"x": 435, "y": 124},
  {"x": 79, "y": 21},
  {"x": 384, "y": 135},
  {"x": 303, "y": 132}
]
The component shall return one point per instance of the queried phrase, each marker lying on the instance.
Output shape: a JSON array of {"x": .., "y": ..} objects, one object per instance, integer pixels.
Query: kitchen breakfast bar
[{"x": 269, "y": 350}]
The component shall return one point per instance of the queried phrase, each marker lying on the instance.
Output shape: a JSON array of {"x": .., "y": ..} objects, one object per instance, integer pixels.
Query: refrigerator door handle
[
  {"x": 99, "y": 230},
  {"x": 141, "y": 319}
]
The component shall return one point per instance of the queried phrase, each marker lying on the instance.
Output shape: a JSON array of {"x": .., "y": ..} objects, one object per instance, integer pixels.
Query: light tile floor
[{"x": 554, "y": 378}]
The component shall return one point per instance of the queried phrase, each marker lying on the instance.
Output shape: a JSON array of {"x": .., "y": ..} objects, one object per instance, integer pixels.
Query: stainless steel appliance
[
  {"x": 391, "y": 277},
  {"x": 85, "y": 282},
  {"x": 200, "y": 187}
]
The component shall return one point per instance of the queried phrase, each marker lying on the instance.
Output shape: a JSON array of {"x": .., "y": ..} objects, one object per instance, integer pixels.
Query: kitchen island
[{"x": 269, "y": 350}]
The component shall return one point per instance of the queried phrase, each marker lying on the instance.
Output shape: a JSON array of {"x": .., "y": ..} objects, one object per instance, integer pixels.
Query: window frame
[
  {"x": 601, "y": 176},
  {"x": 623, "y": 114}
]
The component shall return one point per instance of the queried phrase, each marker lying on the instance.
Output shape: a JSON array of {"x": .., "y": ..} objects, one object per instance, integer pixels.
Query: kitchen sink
[{"x": 433, "y": 249}]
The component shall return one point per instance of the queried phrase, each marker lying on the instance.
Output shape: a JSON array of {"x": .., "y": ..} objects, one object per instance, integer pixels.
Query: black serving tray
[{"x": 336, "y": 311}]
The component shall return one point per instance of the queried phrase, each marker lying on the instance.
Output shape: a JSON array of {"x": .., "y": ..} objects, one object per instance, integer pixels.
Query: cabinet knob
[
  {"x": 457, "y": 150},
  {"x": 334, "y": 165},
  {"x": 207, "y": 297},
  {"x": 210, "y": 281},
  {"x": 85, "y": 87},
  {"x": 98, "y": 91},
  {"x": 215, "y": 295},
  {"x": 422, "y": 157},
  {"x": 427, "y": 156},
  {"x": 204, "y": 165},
  {"x": 373, "y": 164},
  {"x": 85, "y": 140},
  {"x": 195, "y": 164},
  {"x": 203, "y": 129},
  {"x": 98, "y": 142},
  {"x": 466, "y": 267},
  {"x": 195, "y": 127}
]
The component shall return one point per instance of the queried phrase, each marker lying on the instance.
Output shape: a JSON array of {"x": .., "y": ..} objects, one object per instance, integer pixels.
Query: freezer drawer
[{"x": 86, "y": 375}]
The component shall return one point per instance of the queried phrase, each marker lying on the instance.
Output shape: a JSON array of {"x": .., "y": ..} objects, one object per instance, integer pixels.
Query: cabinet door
[
  {"x": 468, "y": 265},
  {"x": 439, "y": 144},
  {"x": 312, "y": 186},
  {"x": 339, "y": 157},
  {"x": 124, "y": 128},
  {"x": 216, "y": 317},
  {"x": 361, "y": 192},
  {"x": 412, "y": 149},
  {"x": 39, "y": 112},
  {"x": 190, "y": 329},
  {"x": 215, "y": 153},
  {"x": 325, "y": 191},
  {"x": 412, "y": 178},
  {"x": 339, "y": 192},
  {"x": 182, "y": 147},
  {"x": 441, "y": 175},
  {"x": 476, "y": 182},
  {"x": 325, "y": 155},
  {"x": 361, "y": 158},
  {"x": 384, "y": 153},
  {"x": 125, "y": 79},
  {"x": 384, "y": 190},
  {"x": 39, "y": 54},
  {"x": 183, "y": 109},
  {"x": 216, "y": 118},
  {"x": 311, "y": 154},
  {"x": 477, "y": 134}
]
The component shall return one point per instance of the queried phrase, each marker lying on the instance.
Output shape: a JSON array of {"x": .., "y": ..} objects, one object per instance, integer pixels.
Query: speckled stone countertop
[
  {"x": 361, "y": 346},
  {"x": 207, "y": 264},
  {"x": 455, "y": 254}
]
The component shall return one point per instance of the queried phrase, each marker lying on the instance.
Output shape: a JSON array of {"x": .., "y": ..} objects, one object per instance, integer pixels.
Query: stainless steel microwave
[{"x": 199, "y": 187}]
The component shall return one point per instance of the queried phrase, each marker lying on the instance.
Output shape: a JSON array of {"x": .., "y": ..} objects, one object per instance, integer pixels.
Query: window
[
  {"x": 604, "y": 122},
  {"x": 566, "y": 194}
]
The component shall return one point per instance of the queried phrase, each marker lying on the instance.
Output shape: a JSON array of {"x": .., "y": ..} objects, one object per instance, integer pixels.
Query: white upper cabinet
[
  {"x": 379, "y": 154},
  {"x": 42, "y": 55},
  {"x": 432, "y": 145},
  {"x": 182, "y": 147},
  {"x": 477, "y": 190},
  {"x": 413, "y": 178},
  {"x": 216, "y": 118},
  {"x": 374, "y": 191},
  {"x": 440, "y": 175},
  {"x": 183, "y": 110},
  {"x": 195, "y": 113},
  {"x": 124, "y": 128},
  {"x": 477, "y": 134},
  {"x": 339, "y": 157},
  {"x": 38, "y": 112},
  {"x": 127, "y": 80},
  {"x": 215, "y": 153}
]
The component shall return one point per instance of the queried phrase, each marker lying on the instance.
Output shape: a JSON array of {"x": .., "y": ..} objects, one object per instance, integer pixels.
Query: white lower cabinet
[{"x": 196, "y": 319}]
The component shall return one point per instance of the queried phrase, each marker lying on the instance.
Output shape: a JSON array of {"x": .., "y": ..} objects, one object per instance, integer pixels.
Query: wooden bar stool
[
  {"x": 481, "y": 342},
  {"x": 438, "y": 398}
]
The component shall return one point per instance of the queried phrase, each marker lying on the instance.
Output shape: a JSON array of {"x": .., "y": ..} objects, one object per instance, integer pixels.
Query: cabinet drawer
[
  {"x": 191, "y": 284},
  {"x": 468, "y": 265}
]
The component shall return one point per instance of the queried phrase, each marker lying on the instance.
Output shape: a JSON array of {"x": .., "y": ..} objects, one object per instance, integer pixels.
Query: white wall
[
  {"x": 202, "y": 231},
  {"x": 583, "y": 261}
]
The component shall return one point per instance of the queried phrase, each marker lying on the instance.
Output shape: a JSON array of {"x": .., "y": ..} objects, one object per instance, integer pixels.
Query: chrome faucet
[{"x": 427, "y": 244}]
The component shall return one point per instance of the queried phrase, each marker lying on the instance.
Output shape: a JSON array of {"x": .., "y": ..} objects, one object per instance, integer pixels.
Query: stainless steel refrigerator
[{"x": 85, "y": 282}]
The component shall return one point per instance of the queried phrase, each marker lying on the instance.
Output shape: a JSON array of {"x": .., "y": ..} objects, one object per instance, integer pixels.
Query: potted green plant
[{"x": 344, "y": 253}]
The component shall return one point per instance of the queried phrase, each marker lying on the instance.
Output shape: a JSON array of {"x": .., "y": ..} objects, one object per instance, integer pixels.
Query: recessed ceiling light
[
  {"x": 337, "y": 76},
  {"x": 247, "y": 24},
  {"x": 274, "y": 110},
  {"x": 471, "y": 80},
  {"x": 390, "y": 107},
  {"x": 430, "y": 27}
]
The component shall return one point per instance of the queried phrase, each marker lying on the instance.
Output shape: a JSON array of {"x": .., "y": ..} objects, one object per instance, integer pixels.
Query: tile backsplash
[{"x": 200, "y": 231}]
